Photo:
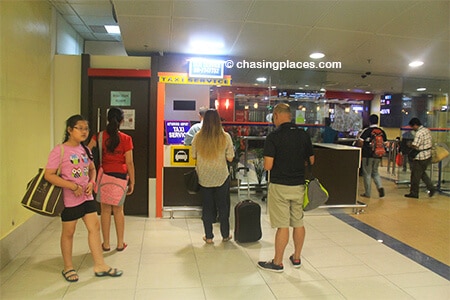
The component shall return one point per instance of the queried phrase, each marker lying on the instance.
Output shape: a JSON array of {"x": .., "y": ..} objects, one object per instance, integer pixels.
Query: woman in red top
[{"x": 117, "y": 161}]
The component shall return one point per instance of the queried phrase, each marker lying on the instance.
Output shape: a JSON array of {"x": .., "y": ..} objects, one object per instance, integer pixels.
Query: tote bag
[
  {"x": 42, "y": 197},
  {"x": 315, "y": 194}
]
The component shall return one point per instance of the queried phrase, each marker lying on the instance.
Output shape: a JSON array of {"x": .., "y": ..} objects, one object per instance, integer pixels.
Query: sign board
[
  {"x": 120, "y": 98},
  {"x": 181, "y": 156},
  {"x": 181, "y": 78},
  {"x": 176, "y": 130},
  {"x": 205, "y": 68},
  {"x": 129, "y": 119}
]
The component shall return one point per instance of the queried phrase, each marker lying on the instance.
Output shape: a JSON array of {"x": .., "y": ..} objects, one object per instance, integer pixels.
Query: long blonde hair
[{"x": 210, "y": 141}]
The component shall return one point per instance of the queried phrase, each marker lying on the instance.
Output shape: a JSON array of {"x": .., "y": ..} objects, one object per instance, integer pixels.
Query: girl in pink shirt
[{"x": 77, "y": 178}]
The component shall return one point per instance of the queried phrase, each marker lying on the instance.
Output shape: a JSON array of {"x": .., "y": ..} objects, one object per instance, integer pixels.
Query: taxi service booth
[{"x": 179, "y": 97}]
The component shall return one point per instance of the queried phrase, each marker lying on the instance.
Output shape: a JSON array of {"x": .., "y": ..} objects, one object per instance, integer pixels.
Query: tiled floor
[{"x": 167, "y": 259}]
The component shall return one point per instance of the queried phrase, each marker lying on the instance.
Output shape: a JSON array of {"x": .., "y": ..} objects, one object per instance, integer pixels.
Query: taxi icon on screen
[{"x": 181, "y": 156}]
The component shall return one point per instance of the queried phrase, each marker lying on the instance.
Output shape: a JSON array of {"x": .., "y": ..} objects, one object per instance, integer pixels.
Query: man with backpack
[{"x": 372, "y": 140}]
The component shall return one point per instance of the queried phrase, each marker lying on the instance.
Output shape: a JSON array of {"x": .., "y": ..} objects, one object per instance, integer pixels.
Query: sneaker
[
  {"x": 365, "y": 196},
  {"x": 297, "y": 263},
  {"x": 431, "y": 193},
  {"x": 270, "y": 266},
  {"x": 381, "y": 192}
]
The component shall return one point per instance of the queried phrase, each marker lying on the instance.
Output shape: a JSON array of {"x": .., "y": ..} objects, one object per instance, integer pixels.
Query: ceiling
[{"x": 377, "y": 37}]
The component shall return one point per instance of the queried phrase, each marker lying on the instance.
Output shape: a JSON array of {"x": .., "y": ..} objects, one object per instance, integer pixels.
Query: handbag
[
  {"x": 438, "y": 153},
  {"x": 399, "y": 159},
  {"x": 42, "y": 197},
  {"x": 191, "y": 182},
  {"x": 109, "y": 189},
  {"x": 315, "y": 193}
]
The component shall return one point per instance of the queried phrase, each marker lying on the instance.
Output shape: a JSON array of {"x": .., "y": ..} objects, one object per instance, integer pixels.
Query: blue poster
[{"x": 176, "y": 130}]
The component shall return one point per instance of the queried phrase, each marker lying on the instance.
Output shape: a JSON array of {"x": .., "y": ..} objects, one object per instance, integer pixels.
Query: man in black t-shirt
[
  {"x": 370, "y": 161},
  {"x": 287, "y": 150}
]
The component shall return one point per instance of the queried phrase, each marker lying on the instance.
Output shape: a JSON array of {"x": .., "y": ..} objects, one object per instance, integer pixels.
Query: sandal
[
  {"x": 105, "y": 249},
  {"x": 123, "y": 248},
  {"x": 111, "y": 272},
  {"x": 69, "y": 275},
  {"x": 208, "y": 241}
]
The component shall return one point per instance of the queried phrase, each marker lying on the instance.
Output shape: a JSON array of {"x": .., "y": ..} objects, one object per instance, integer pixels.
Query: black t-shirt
[
  {"x": 366, "y": 135},
  {"x": 290, "y": 147}
]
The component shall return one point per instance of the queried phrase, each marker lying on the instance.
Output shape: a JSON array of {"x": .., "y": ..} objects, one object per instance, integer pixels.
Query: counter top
[{"x": 335, "y": 146}]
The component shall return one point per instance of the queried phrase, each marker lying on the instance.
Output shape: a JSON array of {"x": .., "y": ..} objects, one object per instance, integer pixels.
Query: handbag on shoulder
[
  {"x": 109, "y": 189},
  {"x": 42, "y": 197}
]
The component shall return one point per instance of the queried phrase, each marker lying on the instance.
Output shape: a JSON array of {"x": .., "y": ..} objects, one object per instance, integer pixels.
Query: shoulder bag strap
[
  {"x": 61, "y": 146},
  {"x": 100, "y": 143}
]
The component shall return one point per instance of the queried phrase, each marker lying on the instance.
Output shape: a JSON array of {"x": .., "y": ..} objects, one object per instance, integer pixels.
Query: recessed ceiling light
[
  {"x": 416, "y": 63},
  {"x": 261, "y": 79},
  {"x": 316, "y": 55},
  {"x": 112, "y": 29},
  {"x": 421, "y": 89}
]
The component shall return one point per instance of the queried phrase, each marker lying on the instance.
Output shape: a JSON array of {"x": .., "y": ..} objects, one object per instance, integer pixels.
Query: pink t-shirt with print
[{"x": 74, "y": 168}]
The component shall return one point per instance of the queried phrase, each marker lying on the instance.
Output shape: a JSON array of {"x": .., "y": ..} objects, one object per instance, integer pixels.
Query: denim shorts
[{"x": 79, "y": 211}]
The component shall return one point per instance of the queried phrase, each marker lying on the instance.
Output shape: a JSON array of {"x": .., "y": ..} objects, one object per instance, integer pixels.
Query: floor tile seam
[
  {"x": 388, "y": 280},
  {"x": 202, "y": 285},
  {"x": 426, "y": 261},
  {"x": 140, "y": 265}
]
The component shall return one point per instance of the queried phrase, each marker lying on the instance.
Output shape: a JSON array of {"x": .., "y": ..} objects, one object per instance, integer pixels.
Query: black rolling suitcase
[{"x": 247, "y": 221}]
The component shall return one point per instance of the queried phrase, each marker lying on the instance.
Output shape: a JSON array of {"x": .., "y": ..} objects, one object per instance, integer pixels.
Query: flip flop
[
  {"x": 208, "y": 241},
  {"x": 123, "y": 248},
  {"x": 67, "y": 276},
  {"x": 105, "y": 249},
  {"x": 114, "y": 273}
]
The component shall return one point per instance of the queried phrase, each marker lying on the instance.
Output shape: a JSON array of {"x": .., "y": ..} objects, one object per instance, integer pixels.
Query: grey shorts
[{"x": 285, "y": 205}]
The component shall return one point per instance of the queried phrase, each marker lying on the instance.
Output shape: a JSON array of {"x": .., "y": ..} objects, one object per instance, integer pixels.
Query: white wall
[{"x": 199, "y": 93}]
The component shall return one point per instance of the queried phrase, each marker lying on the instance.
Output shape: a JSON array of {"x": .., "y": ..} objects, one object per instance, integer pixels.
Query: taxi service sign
[{"x": 176, "y": 130}]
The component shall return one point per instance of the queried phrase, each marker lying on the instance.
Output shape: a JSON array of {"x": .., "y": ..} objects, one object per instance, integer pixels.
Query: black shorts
[{"x": 77, "y": 212}]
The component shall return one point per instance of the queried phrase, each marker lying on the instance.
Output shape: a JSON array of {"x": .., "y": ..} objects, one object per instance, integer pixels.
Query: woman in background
[
  {"x": 212, "y": 148},
  {"x": 117, "y": 161},
  {"x": 77, "y": 178}
]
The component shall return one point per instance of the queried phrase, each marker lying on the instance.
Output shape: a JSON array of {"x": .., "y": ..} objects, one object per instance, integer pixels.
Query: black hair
[
  {"x": 373, "y": 119},
  {"x": 71, "y": 123},
  {"x": 414, "y": 121},
  {"x": 115, "y": 117}
]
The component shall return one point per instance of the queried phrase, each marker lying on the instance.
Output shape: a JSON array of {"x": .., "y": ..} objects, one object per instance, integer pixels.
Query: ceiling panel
[
  {"x": 296, "y": 13},
  {"x": 215, "y": 10},
  {"x": 267, "y": 41},
  {"x": 144, "y": 8}
]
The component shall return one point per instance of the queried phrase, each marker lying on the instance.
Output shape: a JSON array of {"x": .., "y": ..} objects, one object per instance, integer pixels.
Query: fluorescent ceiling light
[
  {"x": 200, "y": 46},
  {"x": 316, "y": 55},
  {"x": 421, "y": 89},
  {"x": 112, "y": 29},
  {"x": 416, "y": 63},
  {"x": 261, "y": 79}
]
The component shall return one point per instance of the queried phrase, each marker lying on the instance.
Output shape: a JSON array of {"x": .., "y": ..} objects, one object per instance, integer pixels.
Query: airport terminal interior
[{"x": 57, "y": 59}]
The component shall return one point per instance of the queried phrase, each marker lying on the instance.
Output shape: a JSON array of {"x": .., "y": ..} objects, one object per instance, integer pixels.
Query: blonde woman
[{"x": 212, "y": 147}]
